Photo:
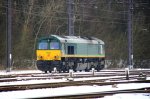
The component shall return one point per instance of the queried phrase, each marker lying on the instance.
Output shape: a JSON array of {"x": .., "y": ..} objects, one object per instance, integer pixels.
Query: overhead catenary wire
[
  {"x": 64, "y": 18},
  {"x": 84, "y": 20},
  {"x": 76, "y": 13},
  {"x": 42, "y": 6},
  {"x": 93, "y": 18}
]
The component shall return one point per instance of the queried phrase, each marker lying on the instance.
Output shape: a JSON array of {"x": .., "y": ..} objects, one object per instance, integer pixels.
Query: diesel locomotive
[{"x": 70, "y": 52}]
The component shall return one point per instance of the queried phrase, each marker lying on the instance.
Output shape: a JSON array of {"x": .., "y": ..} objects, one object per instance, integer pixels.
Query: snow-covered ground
[
  {"x": 3, "y": 72},
  {"x": 70, "y": 90},
  {"x": 128, "y": 96},
  {"x": 57, "y": 80},
  {"x": 73, "y": 90}
]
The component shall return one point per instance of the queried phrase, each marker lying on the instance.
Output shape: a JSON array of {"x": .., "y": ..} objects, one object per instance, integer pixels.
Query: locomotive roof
[{"x": 78, "y": 39}]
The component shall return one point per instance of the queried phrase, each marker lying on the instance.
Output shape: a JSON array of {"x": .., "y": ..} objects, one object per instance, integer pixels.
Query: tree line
[{"x": 104, "y": 19}]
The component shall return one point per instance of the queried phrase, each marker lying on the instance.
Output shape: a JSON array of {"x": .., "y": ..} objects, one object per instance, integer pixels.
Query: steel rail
[
  {"x": 99, "y": 94},
  {"x": 64, "y": 84}
]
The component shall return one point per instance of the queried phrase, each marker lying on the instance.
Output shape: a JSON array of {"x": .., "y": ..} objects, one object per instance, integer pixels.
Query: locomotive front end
[{"x": 48, "y": 54}]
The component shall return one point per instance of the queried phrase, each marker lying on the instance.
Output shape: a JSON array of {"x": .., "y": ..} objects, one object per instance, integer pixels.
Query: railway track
[
  {"x": 87, "y": 79},
  {"x": 101, "y": 94},
  {"x": 13, "y": 82},
  {"x": 39, "y": 76},
  {"x": 100, "y": 82}
]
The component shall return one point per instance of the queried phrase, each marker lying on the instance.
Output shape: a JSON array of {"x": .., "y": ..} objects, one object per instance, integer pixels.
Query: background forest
[{"x": 104, "y": 19}]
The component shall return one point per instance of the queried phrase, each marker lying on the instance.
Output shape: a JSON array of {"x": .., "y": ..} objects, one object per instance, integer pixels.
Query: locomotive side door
[{"x": 71, "y": 49}]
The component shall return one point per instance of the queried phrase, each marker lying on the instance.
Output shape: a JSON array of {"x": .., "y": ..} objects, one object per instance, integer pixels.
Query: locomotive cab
[{"x": 48, "y": 54}]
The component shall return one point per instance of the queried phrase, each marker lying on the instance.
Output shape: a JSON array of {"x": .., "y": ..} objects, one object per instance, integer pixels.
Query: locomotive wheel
[
  {"x": 75, "y": 70},
  {"x": 63, "y": 68},
  {"x": 67, "y": 70},
  {"x": 50, "y": 71},
  {"x": 98, "y": 68},
  {"x": 86, "y": 70}
]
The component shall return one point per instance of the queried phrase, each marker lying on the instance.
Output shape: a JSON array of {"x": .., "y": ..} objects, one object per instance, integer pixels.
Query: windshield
[
  {"x": 54, "y": 45},
  {"x": 43, "y": 45}
]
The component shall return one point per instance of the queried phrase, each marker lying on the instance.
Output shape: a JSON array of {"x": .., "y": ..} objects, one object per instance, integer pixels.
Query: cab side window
[{"x": 70, "y": 49}]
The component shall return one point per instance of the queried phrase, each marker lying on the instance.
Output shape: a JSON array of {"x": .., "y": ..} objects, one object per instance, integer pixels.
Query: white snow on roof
[{"x": 77, "y": 39}]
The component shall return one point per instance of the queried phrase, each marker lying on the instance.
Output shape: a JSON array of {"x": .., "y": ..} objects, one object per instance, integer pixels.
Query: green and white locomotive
[{"x": 70, "y": 52}]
